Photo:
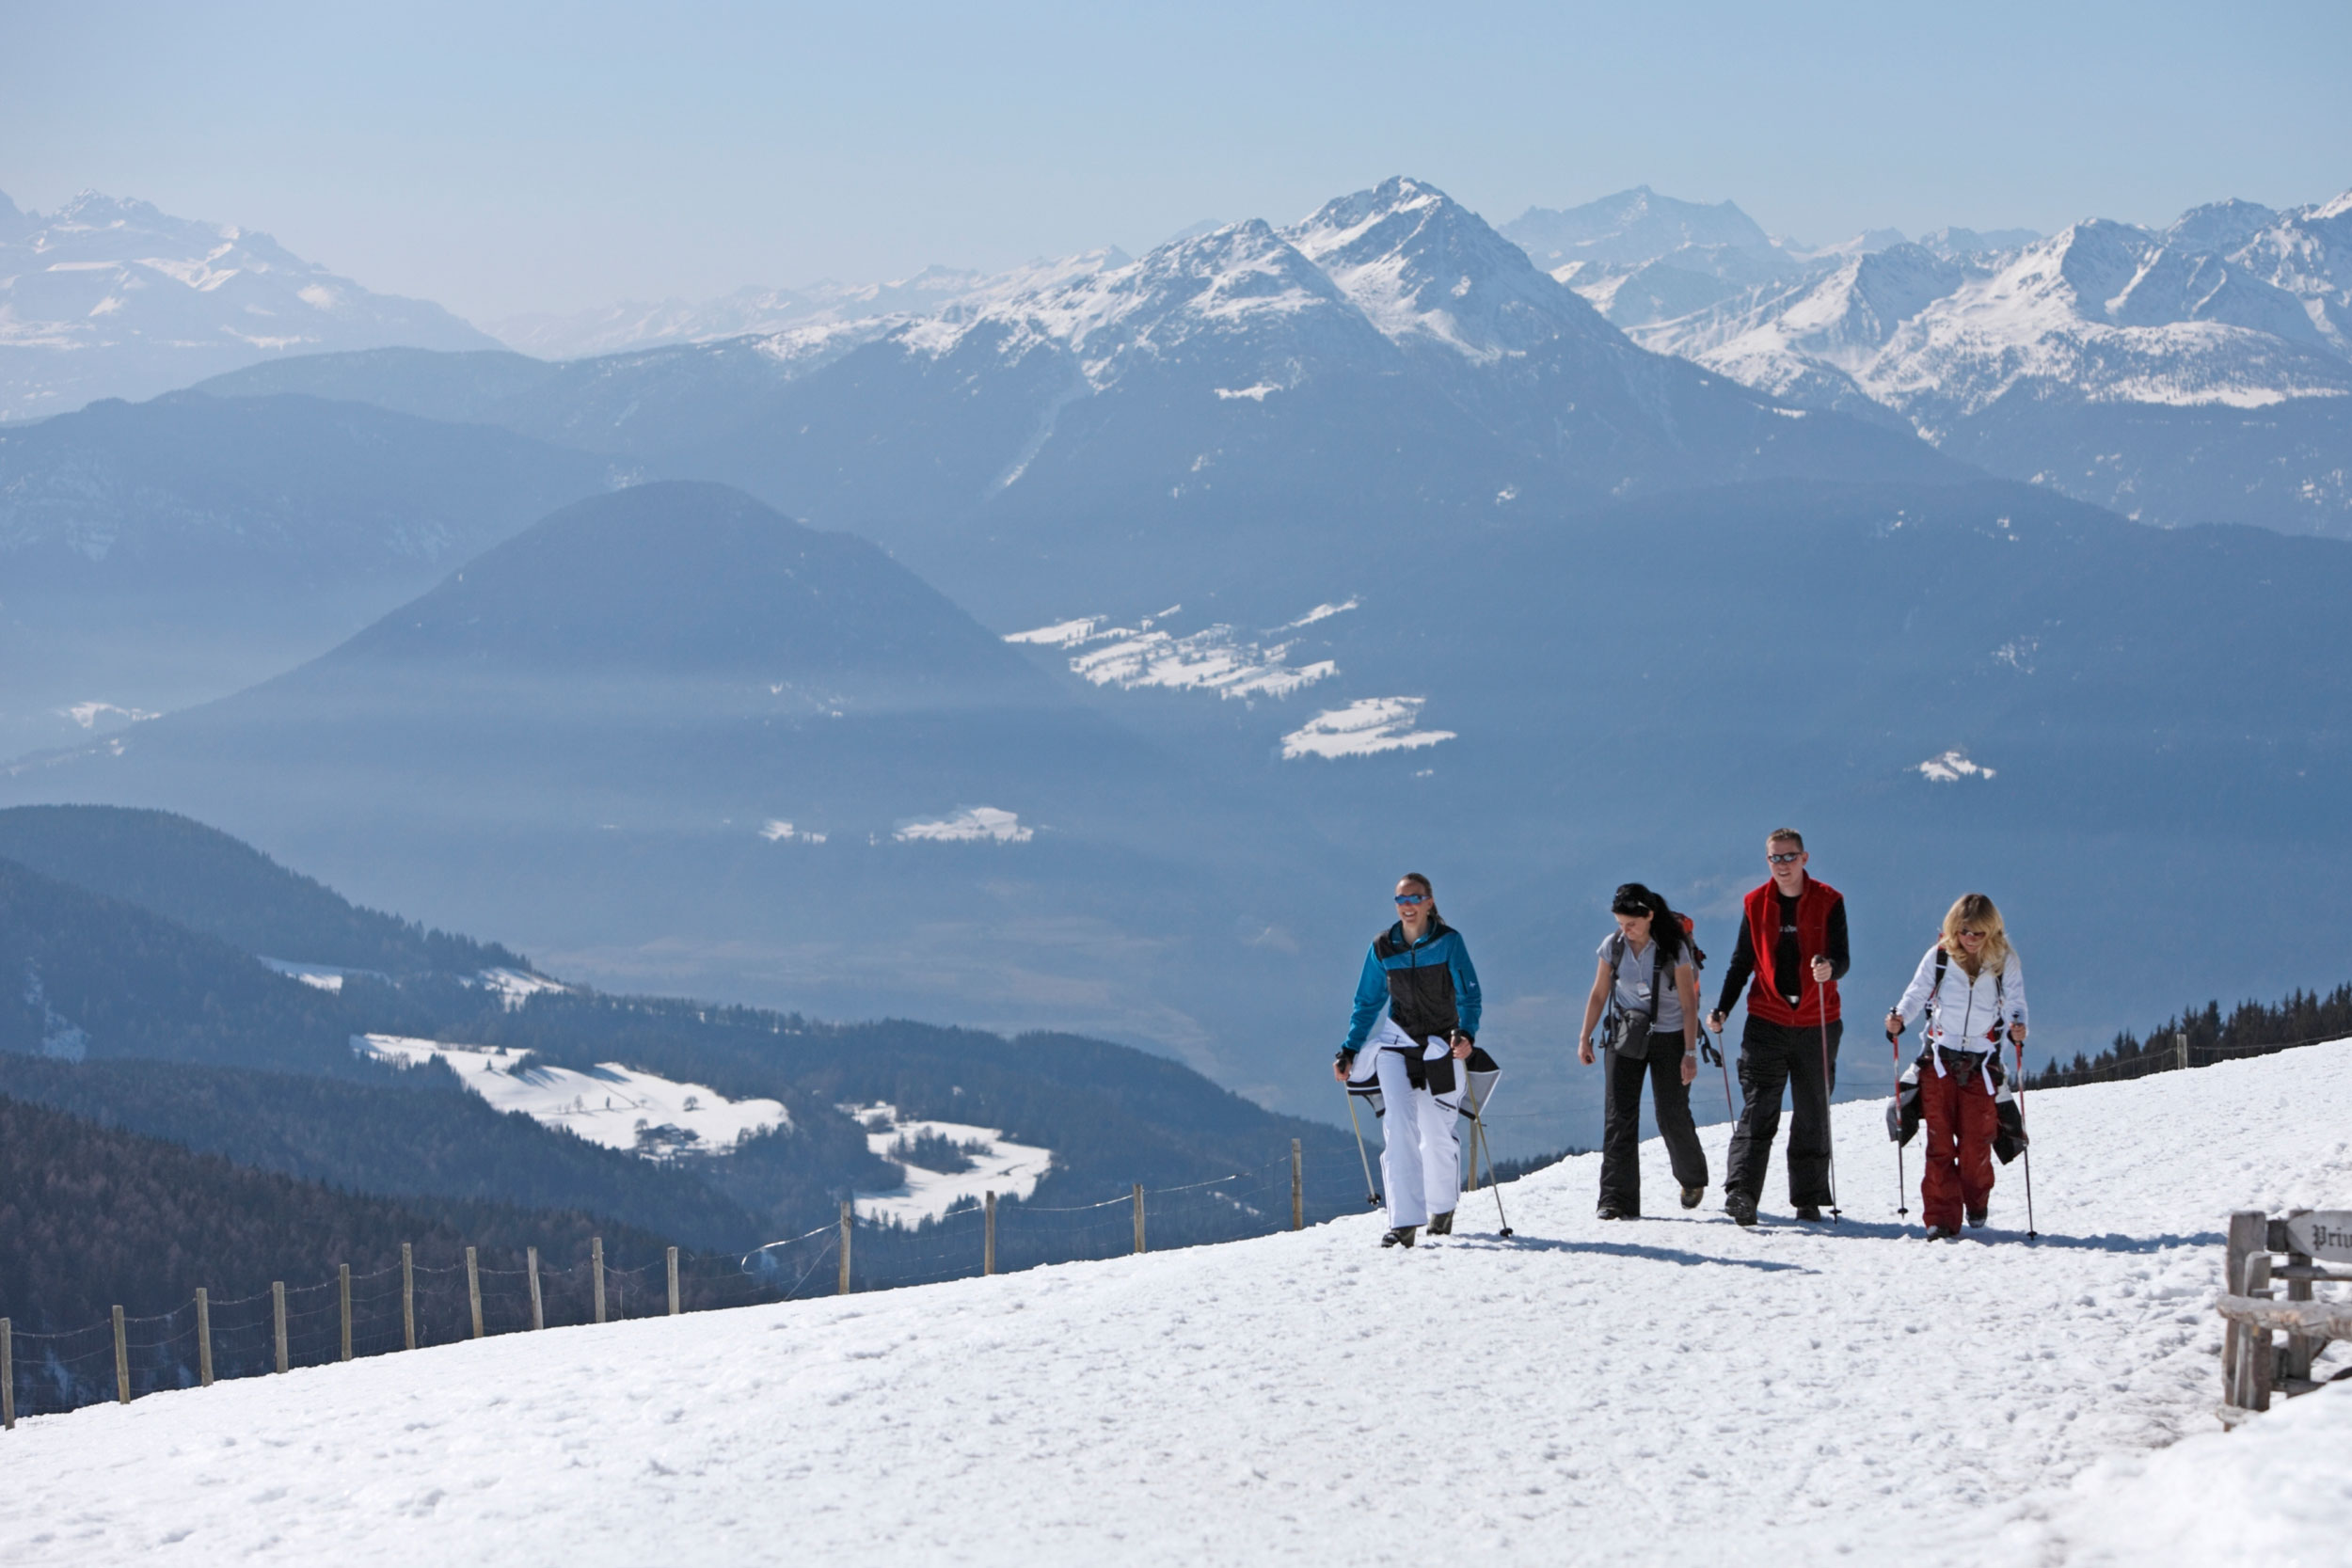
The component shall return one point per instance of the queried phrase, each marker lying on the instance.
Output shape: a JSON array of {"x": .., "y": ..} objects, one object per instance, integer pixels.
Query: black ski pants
[
  {"x": 1772, "y": 1057},
  {"x": 1621, "y": 1124}
]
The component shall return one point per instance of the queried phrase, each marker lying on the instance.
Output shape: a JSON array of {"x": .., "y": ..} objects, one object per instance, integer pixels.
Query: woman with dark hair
[
  {"x": 1417, "y": 1009},
  {"x": 1648, "y": 983}
]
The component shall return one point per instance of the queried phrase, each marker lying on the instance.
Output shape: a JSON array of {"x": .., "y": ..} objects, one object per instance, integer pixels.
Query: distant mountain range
[
  {"x": 2202, "y": 373},
  {"x": 1183, "y": 598},
  {"x": 112, "y": 298}
]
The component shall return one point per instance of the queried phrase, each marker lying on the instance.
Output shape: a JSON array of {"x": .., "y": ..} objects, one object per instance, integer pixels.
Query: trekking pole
[
  {"x": 1829, "y": 1123},
  {"x": 1902, "y": 1182},
  {"x": 2031, "y": 1234},
  {"x": 1372, "y": 1196},
  {"x": 1478, "y": 1140},
  {"x": 1729, "y": 1115}
]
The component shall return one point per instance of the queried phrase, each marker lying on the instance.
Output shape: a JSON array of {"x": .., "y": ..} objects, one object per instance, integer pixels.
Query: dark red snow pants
[{"x": 1961, "y": 1120}]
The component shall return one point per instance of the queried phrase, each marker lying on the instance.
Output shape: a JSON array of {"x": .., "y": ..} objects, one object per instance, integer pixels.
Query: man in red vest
[{"x": 1793, "y": 940}]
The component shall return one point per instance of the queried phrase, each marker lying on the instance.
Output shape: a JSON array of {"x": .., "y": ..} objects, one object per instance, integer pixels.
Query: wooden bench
[{"x": 2254, "y": 1364}]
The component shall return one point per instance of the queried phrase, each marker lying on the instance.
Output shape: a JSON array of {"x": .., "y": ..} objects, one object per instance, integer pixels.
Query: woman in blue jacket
[{"x": 1416, "y": 1015}]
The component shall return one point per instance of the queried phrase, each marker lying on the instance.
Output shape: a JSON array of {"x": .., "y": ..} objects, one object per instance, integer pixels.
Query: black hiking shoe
[
  {"x": 1741, "y": 1206},
  {"x": 1401, "y": 1235},
  {"x": 1609, "y": 1212},
  {"x": 1442, "y": 1225},
  {"x": 1942, "y": 1233},
  {"x": 1691, "y": 1196},
  {"x": 1977, "y": 1216},
  {"x": 1809, "y": 1212}
]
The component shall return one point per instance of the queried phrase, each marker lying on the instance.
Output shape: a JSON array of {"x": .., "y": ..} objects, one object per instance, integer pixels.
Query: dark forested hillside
[
  {"x": 93, "y": 1217},
  {"x": 215, "y": 885},
  {"x": 85, "y": 975},
  {"x": 419, "y": 1137}
]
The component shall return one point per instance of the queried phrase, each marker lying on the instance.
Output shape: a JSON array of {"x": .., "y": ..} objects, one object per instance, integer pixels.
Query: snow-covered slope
[
  {"x": 620, "y": 1107},
  {"x": 1668, "y": 1389},
  {"x": 112, "y": 298}
]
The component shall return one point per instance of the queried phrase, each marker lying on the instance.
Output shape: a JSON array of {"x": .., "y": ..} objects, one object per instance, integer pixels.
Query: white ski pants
[{"x": 1420, "y": 1153}]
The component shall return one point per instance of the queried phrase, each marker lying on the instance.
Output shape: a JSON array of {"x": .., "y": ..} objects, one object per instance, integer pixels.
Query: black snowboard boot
[
  {"x": 1442, "y": 1225},
  {"x": 1809, "y": 1212},
  {"x": 1401, "y": 1235},
  {"x": 1741, "y": 1206}
]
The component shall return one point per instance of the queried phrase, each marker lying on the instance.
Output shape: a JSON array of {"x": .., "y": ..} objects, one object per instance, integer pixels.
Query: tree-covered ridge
[
  {"x": 93, "y": 1217},
  {"x": 2250, "y": 1029},
  {"x": 222, "y": 887},
  {"x": 418, "y": 1136}
]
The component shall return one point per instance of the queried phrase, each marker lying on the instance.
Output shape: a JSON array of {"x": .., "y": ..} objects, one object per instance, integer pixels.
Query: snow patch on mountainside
[
  {"x": 1216, "y": 658},
  {"x": 1951, "y": 767},
  {"x": 974, "y": 825},
  {"x": 1364, "y": 727},
  {"x": 996, "y": 1165},
  {"x": 616, "y": 1106}
]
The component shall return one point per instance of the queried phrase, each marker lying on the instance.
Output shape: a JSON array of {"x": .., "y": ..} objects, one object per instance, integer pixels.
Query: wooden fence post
[
  {"x": 122, "y": 1362},
  {"x": 538, "y": 1313},
  {"x": 343, "y": 1301},
  {"x": 277, "y": 1319},
  {"x": 849, "y": 1220},
  {"x": 1298, "y": 1188},
  {"x": 674, "y": 1282},
  {"x": 2262, "y": 1355},
  {"x": 408, "y": 1296},
  {"x": 2301, "y": 1347},
  {"x": 203, "y": 1338},
  {"x": 988, "y": 1233},
  {"x": 8, "y": 1375},
  {"x": 595, "y": 1267},
  {"x": 2180, "y": 1048},
  {"x": 473, "y": 1290},
  {"x": 2249, "y": 1233},
  {"x": 1138, "y": 1216}
]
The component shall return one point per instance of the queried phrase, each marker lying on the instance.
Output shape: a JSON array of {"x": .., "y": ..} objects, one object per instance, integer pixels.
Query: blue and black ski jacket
[{"x": 1427, "y": 985}]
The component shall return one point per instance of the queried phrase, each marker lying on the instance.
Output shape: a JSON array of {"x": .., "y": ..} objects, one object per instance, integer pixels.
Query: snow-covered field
[
  {"x": 998, "y": 1165},
  {"x": 1673, "y": 1390},
  {"x": 618, "y": 1107}
]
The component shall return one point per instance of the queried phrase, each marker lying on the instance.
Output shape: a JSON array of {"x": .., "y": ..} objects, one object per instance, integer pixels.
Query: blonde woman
[{"x": 1972, "y": 991}]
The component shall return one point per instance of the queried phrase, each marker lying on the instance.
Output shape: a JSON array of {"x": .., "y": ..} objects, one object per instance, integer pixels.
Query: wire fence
[
  {"x": 415, "y": 1304},
  {"x": 2178, "y": 1052}
]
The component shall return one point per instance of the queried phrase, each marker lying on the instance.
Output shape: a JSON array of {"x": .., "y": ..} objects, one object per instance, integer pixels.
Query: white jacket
[{"x": 1965, "y": 1014}]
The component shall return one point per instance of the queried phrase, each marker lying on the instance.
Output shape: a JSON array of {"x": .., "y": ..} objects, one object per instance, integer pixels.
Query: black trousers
[
  {"x": 1773, "y": 1058},
  {"x": 1621, "y": 1124}
]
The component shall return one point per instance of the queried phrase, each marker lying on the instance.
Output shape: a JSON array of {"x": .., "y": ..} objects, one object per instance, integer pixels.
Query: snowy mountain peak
[
  {"x": 110, "y": 296},
  {"x": 2219, "y": 226},
  {"x": 1631, "y": 227},
  {"x": 1427, "y": 270}
]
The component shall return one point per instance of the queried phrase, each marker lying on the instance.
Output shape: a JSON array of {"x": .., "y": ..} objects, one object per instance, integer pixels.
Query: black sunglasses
[
  {"x": 1783, "y": 860},
  {"x": 1412, "y": 898}
]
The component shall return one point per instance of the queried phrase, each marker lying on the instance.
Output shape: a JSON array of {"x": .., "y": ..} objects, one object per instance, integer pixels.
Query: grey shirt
[{"x": 1633, "y": 984}]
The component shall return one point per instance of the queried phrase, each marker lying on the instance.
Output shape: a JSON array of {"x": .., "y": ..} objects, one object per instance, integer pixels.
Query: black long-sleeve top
[{"x": 1789, "y": 964}]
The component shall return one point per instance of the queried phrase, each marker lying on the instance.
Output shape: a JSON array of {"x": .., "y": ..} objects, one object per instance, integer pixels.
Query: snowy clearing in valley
[
  {"x": 1672, "y": 1389},
  {"x": 614, "y": 1106},
  {"x": 1215, "y": 658},
  {"x": 974, "y": 825},
  {"x": 998, "y": 1165},
  {"x": 1363, "y": 727}
]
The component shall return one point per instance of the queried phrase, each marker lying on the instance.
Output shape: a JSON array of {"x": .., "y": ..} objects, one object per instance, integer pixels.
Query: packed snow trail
[{"x": 1592, "y": 1393}]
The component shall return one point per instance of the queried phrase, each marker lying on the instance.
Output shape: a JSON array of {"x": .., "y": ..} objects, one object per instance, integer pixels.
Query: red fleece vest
[{"x": 1764, "y": 998}]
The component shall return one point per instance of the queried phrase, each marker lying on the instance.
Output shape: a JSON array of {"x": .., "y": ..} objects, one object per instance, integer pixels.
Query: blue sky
[{"x": 503, "y": 158}]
